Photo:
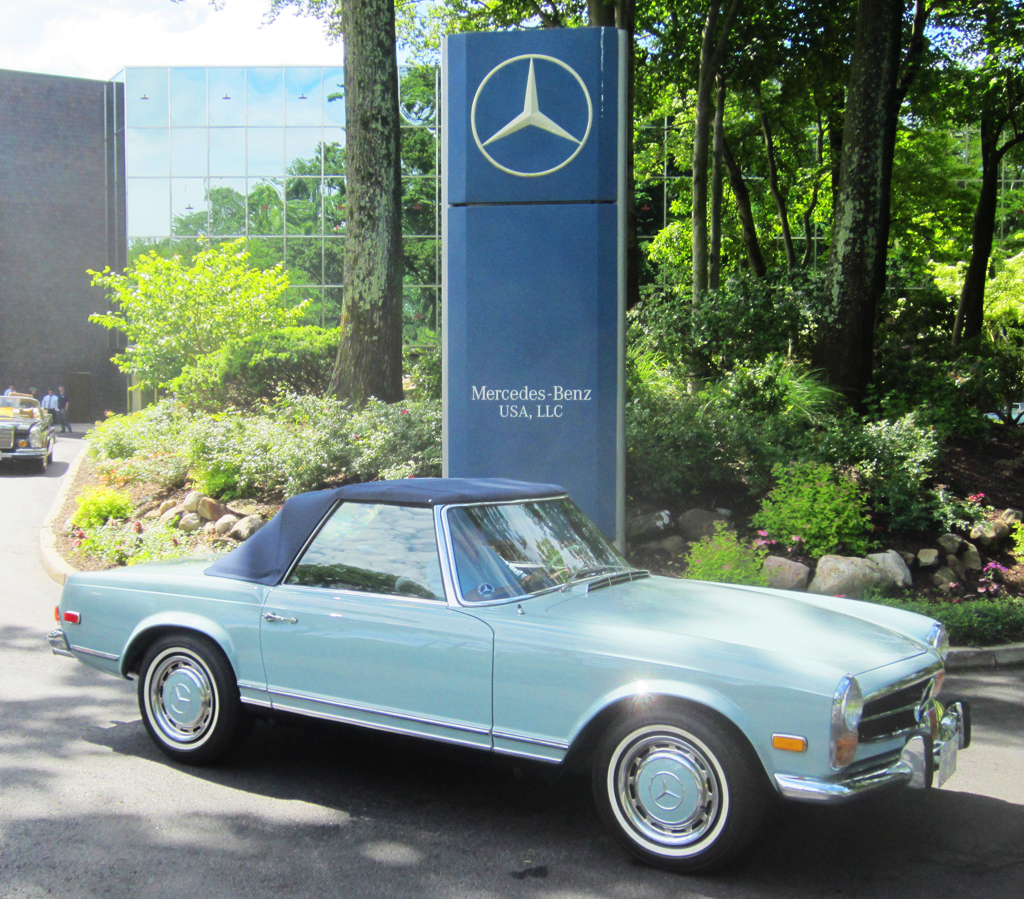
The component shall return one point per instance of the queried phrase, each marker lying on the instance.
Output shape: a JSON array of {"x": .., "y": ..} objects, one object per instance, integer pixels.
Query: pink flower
[{"x": 404, "y": 412}]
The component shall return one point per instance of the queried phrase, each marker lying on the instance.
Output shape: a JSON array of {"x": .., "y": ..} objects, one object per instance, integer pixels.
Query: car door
[{"x": 360, "y": 631}]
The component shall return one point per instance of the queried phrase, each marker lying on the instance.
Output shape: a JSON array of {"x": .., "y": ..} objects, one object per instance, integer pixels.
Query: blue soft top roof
[{"x": 266, "y": 556}]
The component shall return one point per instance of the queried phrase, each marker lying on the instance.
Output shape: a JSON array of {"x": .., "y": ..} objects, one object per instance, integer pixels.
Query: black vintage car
[{"x": 26, "y": 430}]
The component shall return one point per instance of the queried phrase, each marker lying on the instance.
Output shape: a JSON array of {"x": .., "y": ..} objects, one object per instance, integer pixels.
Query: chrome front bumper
[
  {"x": 59, "y": 643},
  {"x": 924, "y": 762}
]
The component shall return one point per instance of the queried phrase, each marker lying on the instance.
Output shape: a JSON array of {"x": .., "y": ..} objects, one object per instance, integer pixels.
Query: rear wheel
[
  {"x": 188, "y": 697},
  {"x": 679, "y": 790}
]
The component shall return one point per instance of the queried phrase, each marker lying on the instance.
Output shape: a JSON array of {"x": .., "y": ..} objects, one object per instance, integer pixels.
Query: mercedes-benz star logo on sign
[{"x": 532, "y": 116}]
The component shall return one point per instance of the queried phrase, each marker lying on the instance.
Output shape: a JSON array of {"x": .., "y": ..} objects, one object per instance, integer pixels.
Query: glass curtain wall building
[{"x": 259, "y": 153}]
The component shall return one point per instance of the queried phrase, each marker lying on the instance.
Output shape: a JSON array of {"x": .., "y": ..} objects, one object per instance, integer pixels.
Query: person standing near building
[
  {"x": 63, "y": 407},
  {"x": 10, "y": 390},
  {"x": 49, "y": 404}
]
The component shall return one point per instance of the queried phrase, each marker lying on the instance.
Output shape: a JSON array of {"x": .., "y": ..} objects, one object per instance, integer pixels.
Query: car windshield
[
  {"x": 514, "y": 549},
  {"x": 19, "y": 407}
]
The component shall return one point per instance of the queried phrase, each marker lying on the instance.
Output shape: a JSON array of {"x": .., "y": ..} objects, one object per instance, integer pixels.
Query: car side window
[{"x": 374, "y": 548}]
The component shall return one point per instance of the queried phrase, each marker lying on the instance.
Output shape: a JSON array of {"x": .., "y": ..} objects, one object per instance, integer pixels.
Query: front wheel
[
  {"x": 679, "y": 790},
  {"x": 188, "y": 697}
]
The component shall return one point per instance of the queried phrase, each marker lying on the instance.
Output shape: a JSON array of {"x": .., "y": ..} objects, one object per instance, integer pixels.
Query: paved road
[{"x": 89, "y": 808}]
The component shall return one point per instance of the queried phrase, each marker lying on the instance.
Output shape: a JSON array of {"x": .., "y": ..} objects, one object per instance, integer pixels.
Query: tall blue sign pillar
[{"x": 534, "y": 261}]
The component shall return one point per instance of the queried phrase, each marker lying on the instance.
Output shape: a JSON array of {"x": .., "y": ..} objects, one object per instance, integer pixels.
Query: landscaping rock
[
  {"x": 673, "y": 545},
  {"x": 190, "y": 522},
  {"x": 956, "y": 566},
  {"x": 167, "y": 505},
  {"x": 785, "y": 574},
  {"x": 987, "y": 533},
  {"x": 211, "y": 510},
  {"x": 847, "y": 576},
  {"x": 1012, "y": 516},
  {"x": 946, "y": 580},
  {"x": 224, "y": 524},
  {"x": 172, "y": 514},
  {"x": 928, "y": 558},
  {"x": 245, "y": 528},
  {"x": 191, "y": 501},
  {"x": 646, "y": 525},
  {"x": 971, "y": 557},
  {"x": 950, "y": 543},
  {"x": 895, "y": 569},
  {"x": 909, "y": 558},
  {"x": 698, "y": 523}
]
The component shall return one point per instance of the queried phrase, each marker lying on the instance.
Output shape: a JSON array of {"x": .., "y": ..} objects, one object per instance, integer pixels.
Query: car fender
[
  {"x": 644, "y": 693},
  {"x": 153, "y": 626}
]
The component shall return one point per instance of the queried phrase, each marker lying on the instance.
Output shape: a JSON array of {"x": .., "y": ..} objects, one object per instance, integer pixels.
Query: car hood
[{"x": 793, "y": 624}]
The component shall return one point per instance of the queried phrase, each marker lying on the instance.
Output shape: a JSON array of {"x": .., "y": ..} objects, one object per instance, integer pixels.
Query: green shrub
[
  {"x": 142, "y": 447},
  {"x": 893, "y": 460},
  {"x": 99, "y": 504},
  {"x": 724, "y": 558},
  {"x": 423, "y": 366},
  {"x": 132, "y": 544},
  {"x": 979, "y": 622},
  {"x": 397, "y": 440},
  {"x": 826, "y": 512},
  {"x": 260, "y": 368},
  {"x": 954, "y": 513}
]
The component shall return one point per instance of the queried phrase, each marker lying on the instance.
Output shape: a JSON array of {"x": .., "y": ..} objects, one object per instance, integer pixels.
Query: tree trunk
[
  {"x": 748, "y": 229},
  {"x": 369, "y": 360},
  {"x": 773, "y": 180},
  {"x": 860, "y": 233},
  {"x": 711, "y": 51},
  {"x": 970, "y": 313},
  {"x": 717, "y": 165}
]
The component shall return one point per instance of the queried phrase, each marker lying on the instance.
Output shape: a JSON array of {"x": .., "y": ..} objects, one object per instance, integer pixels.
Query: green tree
[{"x": 172, "y": 311}]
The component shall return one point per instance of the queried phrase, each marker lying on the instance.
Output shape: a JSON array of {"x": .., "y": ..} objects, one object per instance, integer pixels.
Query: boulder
[
  {"x": 211, "y": 510},
  {"x": 956, "y": 566},
  {"x": 224, "y": 524},
  {"x": 928, "y": 558},
  {"x": 1012, "y": 516},
  {"x": 950, "y": 543},
  {"x": 946, "y": 580},
  {"x": 785, "y": 574},
  {"x": 191, "y": 501},
  {"x": 673, "y": 545},
  {"x": 847, "y": 576},
  {"x": 166, "y": 505},
  {"x": 190, "y": 522},
  {"x": 971, "y": 557},
  {"x": 646, "y": 525},
  {"x": 172, "y": 514},
  {"x": 990, "y": 533},
  {"x": 896, "y": 570},
  {"x": 246, "y": 527},
  {"x": 698, "y": 523}
]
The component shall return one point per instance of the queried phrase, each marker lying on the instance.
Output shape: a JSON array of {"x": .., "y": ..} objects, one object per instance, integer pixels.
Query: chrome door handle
[{"x": 270, "y": 616}]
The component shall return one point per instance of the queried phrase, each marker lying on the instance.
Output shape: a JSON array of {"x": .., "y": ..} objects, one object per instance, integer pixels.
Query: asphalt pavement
[{"x": 90, "y": 808}]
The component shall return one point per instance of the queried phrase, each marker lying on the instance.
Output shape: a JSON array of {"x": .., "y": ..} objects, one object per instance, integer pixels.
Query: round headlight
[
  {"x": 938, "y": 639},
  {"x": 847, "y": 708}
]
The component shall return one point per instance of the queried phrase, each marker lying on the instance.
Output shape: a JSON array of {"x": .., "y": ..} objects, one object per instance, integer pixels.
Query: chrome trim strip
[
  {"x": 248, "y": 685},
  {"x": 922, "y": 675},
  {"x": 373, "y": 725},
  {"x": 518, "y": 753},
  {"x": 261, "y": 703},
  {"x": 370, "y": 710},
  {"x": 112, "y": 657},
  {"x": 522, "y": 738}
]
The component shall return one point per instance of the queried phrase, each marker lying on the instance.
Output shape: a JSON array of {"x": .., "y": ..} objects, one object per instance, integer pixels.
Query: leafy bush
[
  {"x": 142, "y": 447},
  {"x": 397, "y": 440},
  {"x": 259, "y": 368},
  {"x": 423, "y": 366},
  {"x": 893, "y": 460},
  {"x": 724, "y": 558},
  {"x": 954, "y": 513},
  {"x": 979, "y": 622},
  {"x": 132, "y": 544},
  {"x": 99, "y": 504},
  {"x": 810, "y": 501}
]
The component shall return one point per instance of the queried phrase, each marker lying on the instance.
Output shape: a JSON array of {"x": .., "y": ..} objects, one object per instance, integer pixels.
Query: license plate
[{"x": 947, "y": 761}]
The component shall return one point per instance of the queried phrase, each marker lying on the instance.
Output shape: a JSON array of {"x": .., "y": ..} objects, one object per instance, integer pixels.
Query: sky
[{"x": 98, "y": 38}]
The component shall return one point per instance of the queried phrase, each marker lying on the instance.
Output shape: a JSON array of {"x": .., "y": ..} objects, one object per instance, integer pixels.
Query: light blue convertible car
[{"x": 493, "y": 614}]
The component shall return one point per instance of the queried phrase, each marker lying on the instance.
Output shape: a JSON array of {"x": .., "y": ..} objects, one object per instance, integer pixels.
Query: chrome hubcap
[
  {"x": 182, "y": 697},
  {"x": 668, "y": 789}
]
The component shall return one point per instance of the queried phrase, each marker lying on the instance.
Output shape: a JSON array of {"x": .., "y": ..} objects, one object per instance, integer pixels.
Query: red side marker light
[{"x": 72, "y": 617}]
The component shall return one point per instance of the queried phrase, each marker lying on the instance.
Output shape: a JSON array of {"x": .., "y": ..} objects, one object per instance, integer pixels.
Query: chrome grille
[
  {"x": 895, "y": 712},
  {"x": 6, "y": 438}
]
